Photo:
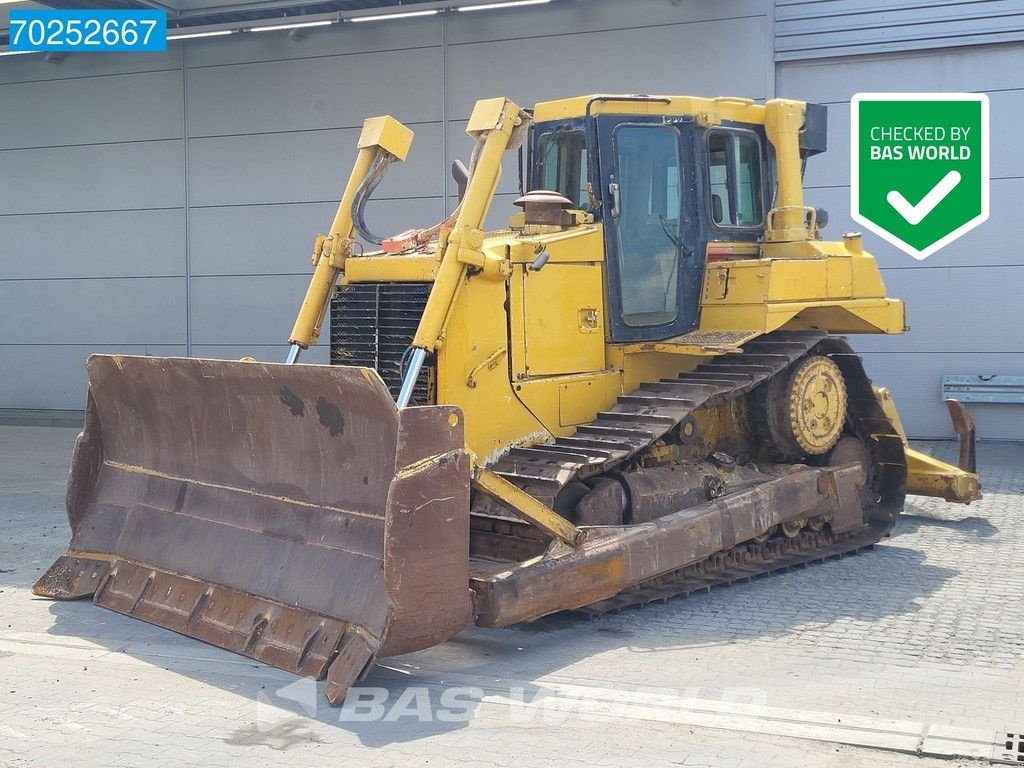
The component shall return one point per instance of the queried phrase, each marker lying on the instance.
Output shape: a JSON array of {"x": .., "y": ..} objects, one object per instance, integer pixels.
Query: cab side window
[
  {"x": 734, "y": 178},
  {"x": 563, "y": 166}
]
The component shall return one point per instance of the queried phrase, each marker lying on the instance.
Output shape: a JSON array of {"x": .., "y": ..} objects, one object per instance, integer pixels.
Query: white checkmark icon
[{"x": 915, "y": 213}]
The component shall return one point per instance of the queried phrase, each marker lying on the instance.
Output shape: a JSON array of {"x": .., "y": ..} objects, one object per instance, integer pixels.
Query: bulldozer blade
[{"x": 290, "y": 513}]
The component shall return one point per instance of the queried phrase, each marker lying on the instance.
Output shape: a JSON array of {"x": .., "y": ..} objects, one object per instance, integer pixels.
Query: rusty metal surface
[
  {"x": 614, "y": 559},
  {"x": 71, "y": 578},
  {"x": 293, "y": 639},
  {"x": 427, "y": 533},
  {"x": 963, "y": 425},
  {"x": 336, "y": 529},
  {"x": 354, "y": 659},
  {"x": 543, "y": 207},
  {"x": 604, "y": 504},
  {"x": 658, "y": 491},
  {"x": 247, "y": 504},
  {"x": 743, "y": 563}
]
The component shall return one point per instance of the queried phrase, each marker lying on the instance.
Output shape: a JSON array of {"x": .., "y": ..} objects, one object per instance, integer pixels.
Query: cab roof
[{"x": 715, "y": 109}]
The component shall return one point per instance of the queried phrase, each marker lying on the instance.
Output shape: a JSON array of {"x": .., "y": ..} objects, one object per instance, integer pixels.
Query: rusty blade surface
[
  {"x": 70, "y": 578},
  {"x": 248, "y": 505}
]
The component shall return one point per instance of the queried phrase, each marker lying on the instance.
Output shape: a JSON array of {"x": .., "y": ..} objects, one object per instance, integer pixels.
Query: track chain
[
  {"x": 641, "y": 418},
  {"x": 742, "y": 564}
]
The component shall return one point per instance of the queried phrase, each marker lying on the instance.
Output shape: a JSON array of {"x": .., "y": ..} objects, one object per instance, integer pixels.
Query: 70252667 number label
[{"x": 99, "y": 31}]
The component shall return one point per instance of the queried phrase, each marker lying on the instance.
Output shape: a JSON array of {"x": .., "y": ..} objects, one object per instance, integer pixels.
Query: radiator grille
[{"x": 372, "y": 324}]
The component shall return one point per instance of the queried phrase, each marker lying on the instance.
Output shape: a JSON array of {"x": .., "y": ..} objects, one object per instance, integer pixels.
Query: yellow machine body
[
  {"x": 564, "y": 371},
  {"x": 550, "y": 366}
]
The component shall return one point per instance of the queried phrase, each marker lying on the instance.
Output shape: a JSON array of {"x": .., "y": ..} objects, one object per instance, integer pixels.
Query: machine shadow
[
  {"x": 916, "y": 517},
  {"x": 509, "y": 662},
  {"x": 401, "y": 698}
]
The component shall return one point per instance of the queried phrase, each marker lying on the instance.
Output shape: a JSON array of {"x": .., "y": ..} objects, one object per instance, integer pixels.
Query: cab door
[{"x": 648, "y": 203}]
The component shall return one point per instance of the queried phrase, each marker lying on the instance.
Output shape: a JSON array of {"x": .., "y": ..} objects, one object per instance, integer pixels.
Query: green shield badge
[{"x": 919, "y": 166}]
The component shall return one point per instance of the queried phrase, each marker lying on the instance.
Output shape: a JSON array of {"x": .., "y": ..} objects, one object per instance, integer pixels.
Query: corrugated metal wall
[
  {"x": 92, "y": 231},
  {"x": 167, "y": 203},
  {"x": 963, "y": 303},
  {"x": 812, "y": 29}
]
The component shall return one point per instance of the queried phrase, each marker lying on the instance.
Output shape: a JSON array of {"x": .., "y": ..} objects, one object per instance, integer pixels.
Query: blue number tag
[{"x": 83, "y": 31}]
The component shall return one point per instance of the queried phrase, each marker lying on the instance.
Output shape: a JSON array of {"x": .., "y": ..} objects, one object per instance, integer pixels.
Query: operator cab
[{"x": 665, "y": 187}]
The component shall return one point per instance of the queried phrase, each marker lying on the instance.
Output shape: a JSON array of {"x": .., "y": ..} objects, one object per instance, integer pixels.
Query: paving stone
[{"x": 928, "y": 627}]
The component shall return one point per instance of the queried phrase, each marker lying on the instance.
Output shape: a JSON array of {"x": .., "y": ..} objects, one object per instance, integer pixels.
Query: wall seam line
[
  {"x": 185, "y": 173},
  {"x": 444, "y": 116},
  {"x": 773, "y": 67}
]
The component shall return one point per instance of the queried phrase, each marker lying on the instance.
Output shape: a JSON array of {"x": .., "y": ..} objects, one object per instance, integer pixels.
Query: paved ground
[{"x": 925, "y": 631}]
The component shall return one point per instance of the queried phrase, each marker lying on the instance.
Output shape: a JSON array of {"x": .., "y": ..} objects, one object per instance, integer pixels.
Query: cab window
[
  {"x": 646, "y": 203},
  {"x": 734, "y": 179},
  {"x": 563, "y": 166}
]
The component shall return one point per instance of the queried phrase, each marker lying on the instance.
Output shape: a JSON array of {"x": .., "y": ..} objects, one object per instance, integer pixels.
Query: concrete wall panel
[
  {"x": 808, "y": 29},
  {"x": 962, "y": 301},
  {"x": 969, "y": 309},
  {"x": 271, "y": 353},
  {"x": 93, "y": 311},
  {"x": 916, "y": 384},
  {"x": 569, "y": 17},
  {"x": 305, "y": 166},
  {"x": 983, "y": 246},
  {"x": 668, "y": 59},
  {"x": 245, "y": 310},
  {"x": 133, "y": 107},
  {"x": 981, "y": 68},
  {"x": 99, "y": 244},
  {"x": 1007, "y": 162},
  {"x": 272, "y": 129},
  {"x": 35, "y": 69},
  {"x": 97, "y": 177},
  {"x": 58, "y": 379},
  {"x": 324, "y": 92},
  {"x": 337, "y": 40}
]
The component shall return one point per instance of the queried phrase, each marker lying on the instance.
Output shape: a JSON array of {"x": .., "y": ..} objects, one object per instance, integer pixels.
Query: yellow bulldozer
[{"x": 639, "y": 389}]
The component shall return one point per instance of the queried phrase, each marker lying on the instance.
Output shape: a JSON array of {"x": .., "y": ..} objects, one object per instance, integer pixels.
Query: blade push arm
[
  {"x": 382, "y": 140},
  {"x": 497, "y": 125}
]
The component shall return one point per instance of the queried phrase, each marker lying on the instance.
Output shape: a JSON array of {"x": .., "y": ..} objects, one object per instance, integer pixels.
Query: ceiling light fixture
[
  {"x": 508, "y": 4},
  {"x": 386, "y": 16},
  {"x": 297, "y": 25},
  {"x": 215, "y": 33}
]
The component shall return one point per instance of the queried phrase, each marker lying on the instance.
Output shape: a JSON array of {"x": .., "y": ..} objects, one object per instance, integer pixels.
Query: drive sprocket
[{"x": 806, "y": 407}]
